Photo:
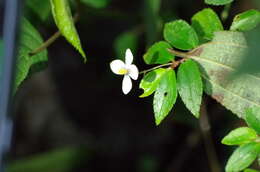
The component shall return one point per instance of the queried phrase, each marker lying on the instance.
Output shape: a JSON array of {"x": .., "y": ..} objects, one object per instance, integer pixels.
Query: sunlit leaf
[
  {"x": 246, "y": 20},
  {"x": 64, "y": 21},
  {"x": 190, "y": 86},
  {"x": 218, "y": 2},
  {"x": 150, "y": 81},
  {"x": 180, "y": 35},
  {"x": 239, "y": 136},
  {"x": 165, "y": 96},
  {"x": 250, "y": 170},
  {"x": 253, "y": 118},
  {"x": 242, "y": 157},
  {"x": 158, "y": 53},
  {"x": 205, "y": 23}
]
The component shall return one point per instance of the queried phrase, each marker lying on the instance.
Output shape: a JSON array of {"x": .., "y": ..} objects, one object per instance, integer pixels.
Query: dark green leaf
[
  {"x": 242, "y": 157},
  {"x": 165, "y": 96},
  {"x": 124, "y": 41},
  {"x": 158, "y": 53},
  {"x": 253, "y": 118},
  {"x": 150, "y": 81},
  {"x": 96, "y": 3},
  {"x": 246, "y": 20},
  {"x": 63, "y": 19},
  {"x": 239, "y": 136},
  {"x": 250, "y": 170},
  {"x": 30, "y": 39},
  {"x": 190, "y": 86},
  {"x": 205, "y": 23},
  {"x": 180, "y": 35},
  {"x": 43, "y": 10},
  {"x": 218, "y": 2}
]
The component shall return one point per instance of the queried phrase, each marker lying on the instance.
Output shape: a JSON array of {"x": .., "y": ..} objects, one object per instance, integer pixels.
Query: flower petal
[
  {"x": 128, "y": 57},
  {"x": 133, "y": 72},
  {"x": 116, "y": 65},
  {"x": 127, "y": 84}
]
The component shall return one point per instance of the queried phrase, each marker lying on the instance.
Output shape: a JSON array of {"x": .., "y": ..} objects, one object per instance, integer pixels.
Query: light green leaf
[
  {"x": 124, "y": 41},
  {"x": 158, "y": 53},
  {"x": 165, "y": 96},
  {"x": 218, "y": 60},
  {"x": 190, "y": 86},
  {"x": 205, "y": 23},
  {"x": 150, "y": 81},
  {"x": 30, "y": 39},
  {"x": 43, "y": 10},
  {"x": 246, "y": 21},
  {"x": 96, "y": 3},
  {"x": 63, "y": 19},
  {"x": 239, "y": 136},
  {"x": 218, "y": 2},
  {"x": 252, "y": 118},
  {"x": 242, "y": 157},
  {"x": 180, "y": 35},
  {"x": 250, "y": 170}
]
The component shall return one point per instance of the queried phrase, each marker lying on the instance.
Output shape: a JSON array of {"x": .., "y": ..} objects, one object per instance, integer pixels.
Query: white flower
[{"x": 127, "y": 69}]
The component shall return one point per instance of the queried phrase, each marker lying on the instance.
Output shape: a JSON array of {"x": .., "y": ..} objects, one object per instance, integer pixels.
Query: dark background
[{"x": 74, "y": 117}]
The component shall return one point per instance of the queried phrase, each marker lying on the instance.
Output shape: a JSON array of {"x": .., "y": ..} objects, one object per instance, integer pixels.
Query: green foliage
[
  {"x": 43, "y": 10},
  {"x": 246, "y": 21},
  {"x": 239, "y": 136},
  {"x": 30, "y": 39},
  {"x": 165, "y": 96},
  {"x": 124, "y": 41},
  {"x": 190, "y": 86},
  {"x": 252, "y": 118},
  {"x": 242, "y": 157},
  {"x": 218, "y": 2},
  {"x": 150, "y": 81},
  {"x": 180, "y": 35},
  {"x": 96, "y": 3},
  {"x": 158, "y": 53},
  {"x": 219, "y": 60},
  {"x": 205, "y": 23},
  {"x": 64, "y": 21},
  {"x": 250, "y": 170}
]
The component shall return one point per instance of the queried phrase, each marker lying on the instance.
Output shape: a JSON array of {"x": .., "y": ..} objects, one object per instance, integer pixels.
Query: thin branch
[{"x": 156, "y": 67}]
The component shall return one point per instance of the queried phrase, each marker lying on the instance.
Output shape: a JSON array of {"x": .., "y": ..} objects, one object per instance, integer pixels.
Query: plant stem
[
  {"x": 156, "y": 67},
  {"x": 225, "y": 12},
  {"x": 207, "y": 137},
  {"x": 178, "y": 53}
]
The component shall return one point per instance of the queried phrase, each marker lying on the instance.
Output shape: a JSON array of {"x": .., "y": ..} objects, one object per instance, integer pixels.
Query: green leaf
[
  {"x": 239, "y": 136},
  {"x": 158, "y": 53},
  {"x": 190, "y": 86},
  {"x": 124, "y": 41},
  {"x": 246, "y": 21},
  {"x": 180, "y": 35},
  {"x": 30, "y": 39},
  {"x": 218, "y": 2},
  {"x": 250, "y": 170},
  {"x": 63, "y": 19},
  {"x": 205, "y": 23},
  {"x": 165, "y": 96},
  {"x": 96, "y": 3},
  {"x": 252, "y": 117},
  {"x": 150, "y": 81},
  {"x": 218, "y": 60},
  {"x": 242, "y": 157},
  {"x": 43, "y": 10}
]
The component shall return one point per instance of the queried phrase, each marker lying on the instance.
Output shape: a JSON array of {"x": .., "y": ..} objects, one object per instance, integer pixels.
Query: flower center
[{"x": 122, "y": 71}]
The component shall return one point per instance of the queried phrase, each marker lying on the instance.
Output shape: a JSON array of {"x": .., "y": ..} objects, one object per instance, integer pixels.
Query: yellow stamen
[{"x": 122, "y": 71}]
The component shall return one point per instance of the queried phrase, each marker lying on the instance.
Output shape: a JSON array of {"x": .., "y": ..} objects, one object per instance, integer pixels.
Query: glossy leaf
[
  {"x": 250, "y": 170},
  {"x": 218, "y": 60},
  {"x": 205, "y": 23},
  {"x": 150, "y": 81},
  {"x": 242, "y": 157},
  {"x": 43, "y": 10},
  {"x": 190, "y": 86},
  {"x": 158, "y": 53},
  {"x": 180, "y": 35},
  {"x": 165, "y": 96},
  {"x": 218, "y": 2},
  {"x": 246, "y": 20},
  {"x": 253, "y": 118},
  {"x": 124, "y": 41},
  {"x": 30, "y": 39},
  {"x": 64, "y": 21},
  {"x": 96, "y": 3},
  {"x": 239, "y": 136}
]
